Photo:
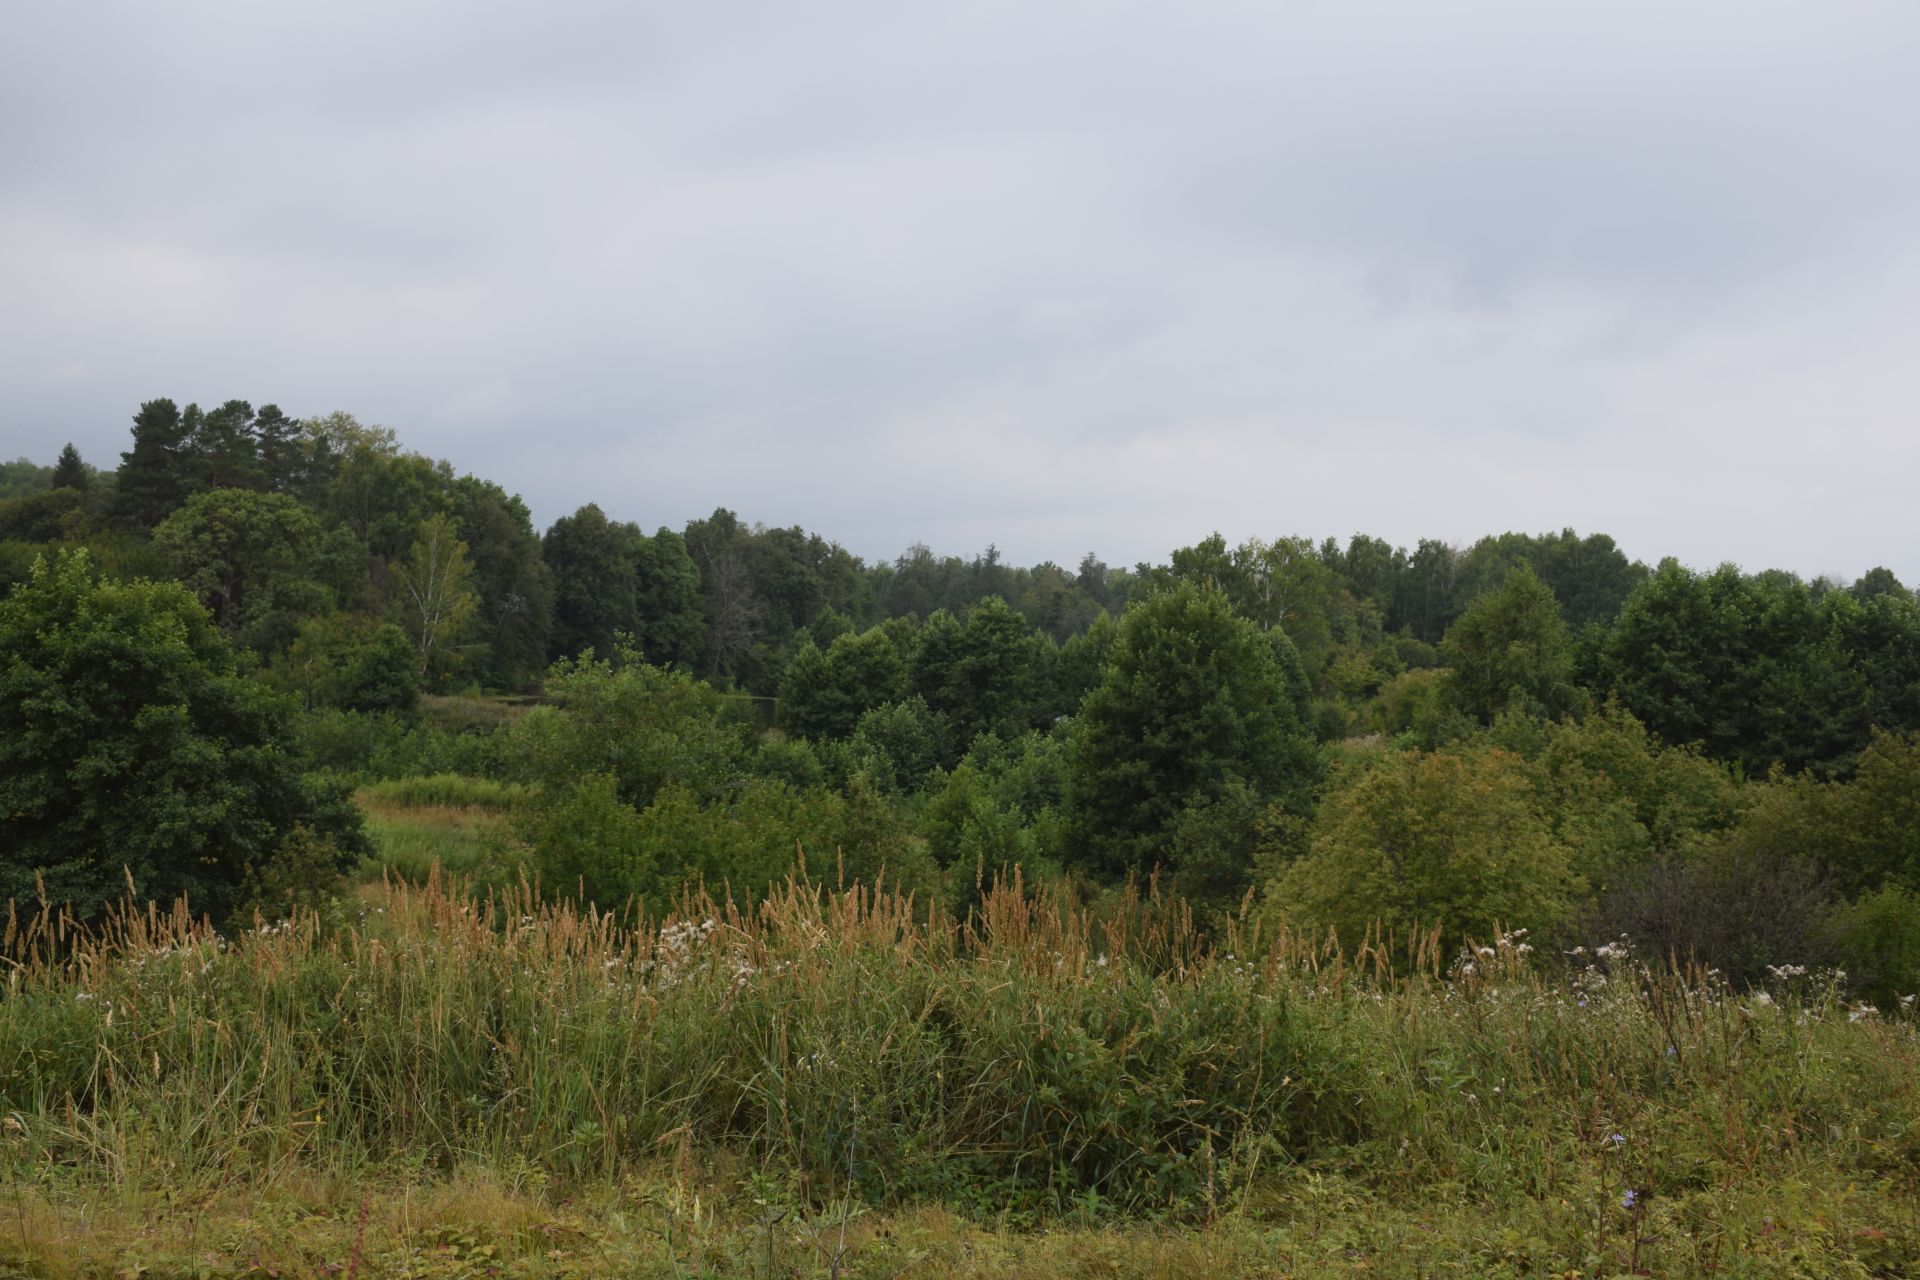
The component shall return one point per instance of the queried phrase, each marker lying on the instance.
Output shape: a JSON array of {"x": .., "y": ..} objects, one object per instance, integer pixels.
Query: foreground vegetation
[{"x": 827, "y": 1084}]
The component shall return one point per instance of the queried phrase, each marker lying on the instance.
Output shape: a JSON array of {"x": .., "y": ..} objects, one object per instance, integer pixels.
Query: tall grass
[
  {"x": 450, "y": 790},
  {"x": 1032, "y": 1055},
  {"x": 447, "y": 820}
]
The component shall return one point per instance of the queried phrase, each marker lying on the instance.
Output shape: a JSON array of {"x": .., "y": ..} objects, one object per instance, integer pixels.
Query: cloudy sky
[{"x": 1058, "y": 276}]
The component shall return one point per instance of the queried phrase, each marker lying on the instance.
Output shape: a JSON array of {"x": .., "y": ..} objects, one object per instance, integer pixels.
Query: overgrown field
[
  {"x": 447, "y": 820},
  {"x": 829, "y": 1084}
]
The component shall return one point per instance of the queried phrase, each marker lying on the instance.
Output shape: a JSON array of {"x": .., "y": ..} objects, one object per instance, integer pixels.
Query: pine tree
[
  {"x": 278, "y": 449},
  {"x": 69, "y": 472},
  {"x": 153, "y": 474},
  {"x": 226, "y": 453}
]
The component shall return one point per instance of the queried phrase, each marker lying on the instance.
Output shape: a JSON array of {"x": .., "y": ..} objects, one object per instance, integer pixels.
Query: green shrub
[{"x": 1876, "y": 939}]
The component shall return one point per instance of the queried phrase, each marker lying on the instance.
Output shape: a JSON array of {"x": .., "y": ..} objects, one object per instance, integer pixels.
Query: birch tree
[{"x": 436, "y": 586}]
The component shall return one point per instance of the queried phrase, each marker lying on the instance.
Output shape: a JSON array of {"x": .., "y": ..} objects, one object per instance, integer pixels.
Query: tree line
[{"x": 1335, "y": 734}]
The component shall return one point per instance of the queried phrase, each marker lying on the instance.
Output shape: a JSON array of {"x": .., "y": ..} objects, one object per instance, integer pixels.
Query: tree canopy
[{"x": 131, "y": 745}]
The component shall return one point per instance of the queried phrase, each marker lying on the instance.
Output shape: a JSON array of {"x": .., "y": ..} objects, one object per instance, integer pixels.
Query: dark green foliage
[
  {"x": 1590, "y": 577},
  {"x": 1860, "y": 833},
  {"x": 1881, "y": 641},
  {"x": 71, "y": 473},
  {"x": 646, "y": 727},
  {"x": 589, "y": 841},
  {"x": 234, "y": 549},
  {"x": 51, "y": 515},
  {"x": 1876, "y": 939},
  {"x": 805, "y": 689},
  {"x": 127, "y": 739},
  {"x": 381, "y": 673},
  {"x": 1076, "y": 669},
  {"x": 589, "y": 845},
  {"x": 514, "y": 618},
  {"x": 667, "y": 593},
  {"x": 1426, "y": 596},
  {"x": 340, "y": 562},
  {"x": 899, "y": 744},
  {"x": 825, "y": 694},
  {"x": 153, "y": 477},
  {"x": 302, "y": 875},
  {"x": 223, "y": 450},
  {"x": 1879, "y": 581},
  {"x": 383, "y": 494},
  {"x": 277, "y": 450},
  {"x": 364, "y": 746},
  {"x": 1217, "y": 844},
  {"x": 1193, "y": 699},
  {"x": 1616, "y": 796},
  {"x": 987, "y": 688},
  {"x": 1759, "y": 671},
  {"x": 1510, "y": 651},
  {"x": 23, "y": 477},
  {"x": 595, "y": 592}
]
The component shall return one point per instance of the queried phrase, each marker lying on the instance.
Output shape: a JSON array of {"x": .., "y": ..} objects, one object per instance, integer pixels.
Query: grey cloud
[{"x": 1057, "y": 277}]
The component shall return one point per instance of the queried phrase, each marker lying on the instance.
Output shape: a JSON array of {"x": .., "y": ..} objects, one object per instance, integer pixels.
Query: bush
[
  {"x": 591, "y": 845},
  {"x": 587, "y": 839},
  {"x": 645, "y": 727},
  {"x": 303, "y": 874},
  {"x": 1725, "y": 903},
  {"x": 365, "y": 746},
  {"x": 1876, "y": 939}
]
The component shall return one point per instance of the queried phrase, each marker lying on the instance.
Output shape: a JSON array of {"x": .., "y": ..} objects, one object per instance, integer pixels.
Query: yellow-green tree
[
  {"x": 436, "y": 593},
  {"x": 1410, "y": 840}
]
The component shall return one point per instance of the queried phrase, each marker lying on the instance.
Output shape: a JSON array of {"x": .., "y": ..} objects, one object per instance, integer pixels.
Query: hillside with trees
[
  {"x": 1435, "y": 897},
  {"x": 1533, "y": 729}
]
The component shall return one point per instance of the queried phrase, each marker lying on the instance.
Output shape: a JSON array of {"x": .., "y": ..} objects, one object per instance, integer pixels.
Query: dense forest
[{"x": 211, "y": 646}]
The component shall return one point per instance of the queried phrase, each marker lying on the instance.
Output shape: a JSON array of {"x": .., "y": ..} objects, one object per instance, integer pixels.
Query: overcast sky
[{"x": 1057, "y": 276}]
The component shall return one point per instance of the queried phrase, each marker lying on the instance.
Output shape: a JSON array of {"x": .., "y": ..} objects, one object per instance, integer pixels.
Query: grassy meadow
[
  {"x": 448, "y": 820},
  {"x": 452, "y": 1084}
]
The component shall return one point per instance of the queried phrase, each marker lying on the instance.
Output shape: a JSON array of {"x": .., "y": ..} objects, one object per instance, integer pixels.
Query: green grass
[
  {"x": 468, "y": 714},
  {"x": 446, "y": 790},
  {"x": 479, "y": 1223},
  {"x": 1034, "y": 1091},
  {"x": 449, "y": 820}
]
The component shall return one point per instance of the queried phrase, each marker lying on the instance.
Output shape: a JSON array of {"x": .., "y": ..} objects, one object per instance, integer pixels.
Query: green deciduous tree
[
  {"x": 381, "y": 674},
  {"x": 514, "y": 618},
  {"x": 1758, "y": 670},
  {"x": 1411, "y": 840},
  {"x": 1510, "y": 651},
  {"x": 824, "y": 694},
  {"x": 645, "y": 726},
  {"x": 673, "y": 627},
  {"x": 129, "y": 740},
  {"x": 595, "y": 593},
  {"x": 435, "y": 588},
  {"x": 1193, "y": 698},
  {"x": 233, "y": 548}
]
